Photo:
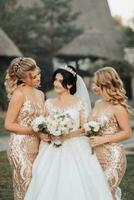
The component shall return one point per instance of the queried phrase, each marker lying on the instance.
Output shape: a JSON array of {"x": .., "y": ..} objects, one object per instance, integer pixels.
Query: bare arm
[
  {"x": 72, "y": 134},
  {"x": 124, "y": 124},
  {"x": 14, "y": 107},
  {"x": 80, "y": 131},
  {"x": 42, "y": 136},
  {"x": 125, "y": 129}
]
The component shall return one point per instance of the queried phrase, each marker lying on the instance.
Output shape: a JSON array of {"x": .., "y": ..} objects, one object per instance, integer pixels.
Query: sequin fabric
[
  {"x": 22, "y": 151},
  {"x": 112, "y": 155}
]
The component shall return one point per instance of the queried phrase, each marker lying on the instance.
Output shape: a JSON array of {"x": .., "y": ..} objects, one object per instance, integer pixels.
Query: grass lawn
[
  {"x": 127, "y": 184},
  {"x": 6, "y": 192},
  {"x": 3, "y": 132}
]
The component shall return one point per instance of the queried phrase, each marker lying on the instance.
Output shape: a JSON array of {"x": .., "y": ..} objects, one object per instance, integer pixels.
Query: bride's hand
[
  {"x": 72, "y": 134},
  {"x": 53, "y": 138},
  {"x": 64, "y": 137},
  {"x": 44, "y": 137}
]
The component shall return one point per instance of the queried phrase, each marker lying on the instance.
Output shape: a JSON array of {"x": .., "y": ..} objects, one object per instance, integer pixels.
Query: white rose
[
  {"x": 86, "y": 127},
  {"x": 93, "y": 123},
  {"x": 96, "y": 129},
  {"x": 35, "y": 128}
]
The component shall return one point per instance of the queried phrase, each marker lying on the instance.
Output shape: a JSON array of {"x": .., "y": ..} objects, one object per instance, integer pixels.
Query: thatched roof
[
  {"x": 100, "y": 37},
  {"x": 7, "y": 47},
  {"x": 92, "y": 13},
  {"x": 95, "y": 44},
  {"x": 28, "y": 3}
]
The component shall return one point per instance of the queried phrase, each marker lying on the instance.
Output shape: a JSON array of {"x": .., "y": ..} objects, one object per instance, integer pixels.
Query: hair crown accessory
[{"x": 69, "y": 70}]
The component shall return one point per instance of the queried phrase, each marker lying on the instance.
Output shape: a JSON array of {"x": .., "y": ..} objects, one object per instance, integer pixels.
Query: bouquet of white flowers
[
  {"x": 92, "y": 128},
  {"x": 59, "y": 124},
  {"x": 56, "y": 124},
  {"x": 39, "y": 124}
]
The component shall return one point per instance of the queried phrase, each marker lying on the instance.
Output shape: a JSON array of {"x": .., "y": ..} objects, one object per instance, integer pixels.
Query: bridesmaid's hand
[{"x": 97, "y": 140}]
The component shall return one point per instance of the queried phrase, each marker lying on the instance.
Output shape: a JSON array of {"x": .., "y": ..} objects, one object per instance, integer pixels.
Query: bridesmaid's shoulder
[
  {"x": 98, "y": 102},
  {"x": 119, "y": 109},
  {"x": 17, "y": 95},
  {"x": 16, "y": 99},
  {"x": 41, "y": 93}
]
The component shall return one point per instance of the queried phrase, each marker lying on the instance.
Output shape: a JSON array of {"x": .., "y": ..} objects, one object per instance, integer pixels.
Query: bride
[{"x": 69, "y": 172}]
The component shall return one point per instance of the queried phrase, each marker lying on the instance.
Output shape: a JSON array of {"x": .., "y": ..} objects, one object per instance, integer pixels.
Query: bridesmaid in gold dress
[
  {"x": 112, "y": 112},
  {"x": 26, "y": 102}
]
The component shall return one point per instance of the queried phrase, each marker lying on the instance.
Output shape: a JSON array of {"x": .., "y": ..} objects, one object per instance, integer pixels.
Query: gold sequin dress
[
  {"x": 22, "y": 151},
  {"x": 111, "y": 156}
]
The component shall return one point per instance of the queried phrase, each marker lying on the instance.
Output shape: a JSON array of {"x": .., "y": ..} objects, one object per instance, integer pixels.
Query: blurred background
[{"x": 88, "y": 34}]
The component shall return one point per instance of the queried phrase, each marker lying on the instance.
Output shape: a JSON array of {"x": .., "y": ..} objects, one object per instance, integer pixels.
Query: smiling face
[
  {"x": 33, "y": 78},
  {"x": 58, "y": 87}
]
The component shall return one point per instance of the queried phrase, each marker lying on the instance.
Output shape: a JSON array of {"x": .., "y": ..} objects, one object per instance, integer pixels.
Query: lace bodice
[
  {"x": 108, "y": 122},
  {"x": 28, "y": 111},
  {"x": 77, "y": 112}
]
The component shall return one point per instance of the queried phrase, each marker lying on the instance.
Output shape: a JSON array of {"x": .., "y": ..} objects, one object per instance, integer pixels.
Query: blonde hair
[
  {"x": 112, "y": 87},
  {"x": 16, "y": 73}
]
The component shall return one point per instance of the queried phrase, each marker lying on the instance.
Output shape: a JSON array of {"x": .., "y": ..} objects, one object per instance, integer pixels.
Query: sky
[{"x": 124, "y": 8}]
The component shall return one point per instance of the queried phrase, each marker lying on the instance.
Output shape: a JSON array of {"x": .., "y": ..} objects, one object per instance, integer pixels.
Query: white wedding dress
[{"x": 69, "y": 172}]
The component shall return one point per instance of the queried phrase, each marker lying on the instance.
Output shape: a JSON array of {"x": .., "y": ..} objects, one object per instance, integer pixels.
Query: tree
[
  {"x": 124, "y": 69},
  {"x": 118, "y": 19},
  {"x": 3, "y": 99},
  {"x": 20, "y": 24},
  {"x": 128, "y": 37},
  {"x": 55, "y": 27},
  {"x": 128, "y": 34},
  {"x": 39, "y": 31}
]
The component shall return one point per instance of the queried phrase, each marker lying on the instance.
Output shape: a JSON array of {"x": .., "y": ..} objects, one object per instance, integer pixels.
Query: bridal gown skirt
[{"x": 69, "y": 172}]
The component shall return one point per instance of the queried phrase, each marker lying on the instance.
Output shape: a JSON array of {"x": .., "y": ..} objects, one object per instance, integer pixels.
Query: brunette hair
[{"x": 68, "y": 78}]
